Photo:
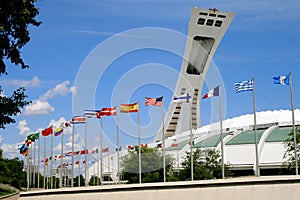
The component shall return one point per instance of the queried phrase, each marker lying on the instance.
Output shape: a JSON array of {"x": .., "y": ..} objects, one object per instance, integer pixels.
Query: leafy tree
[
  {"x": 289, "y": 165},
  {"x": 15, "y": 17},
  {"x": 207, "y": 165},
  {"x": 94, "y": 180},
  {"x": 76, "y": 180},
  {"x": 151, "y": 164}
]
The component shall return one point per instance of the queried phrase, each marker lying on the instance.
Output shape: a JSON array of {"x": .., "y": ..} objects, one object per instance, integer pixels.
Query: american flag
[{"x": 153, "y": 101}]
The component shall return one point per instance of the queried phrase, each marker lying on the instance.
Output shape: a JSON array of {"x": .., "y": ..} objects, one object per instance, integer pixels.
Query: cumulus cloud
[
  {"x": 41, "y": 106},
  {"x": 23, "y": 128},
  {"x": 10, "y": 150},
  {"x": 38, "y": 107},
  {"x": 61, "y": 89}
]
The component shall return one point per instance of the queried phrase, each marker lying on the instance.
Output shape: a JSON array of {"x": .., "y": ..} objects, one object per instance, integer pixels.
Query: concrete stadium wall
[{"x": 251, "y": 188}]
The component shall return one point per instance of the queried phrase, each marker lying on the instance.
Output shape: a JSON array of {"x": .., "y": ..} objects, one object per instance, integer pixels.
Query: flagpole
[
  {"x": 118, "y": 146},
  {"x": 191, "y": 145},
  {"x": 101, "y": 153},
  {"x": 39, "y": 160},
  {"x": 255, "y": 131},
  {"x": 293, "y": 122},
  {"x": 221, "y": 134},
  {"x": 139, "y": 143},
  {"x": 44, "y": 162},
  {"x": 51, "y": 164},
  {"x": 79, "y": 171},
  {"x": 61, "y": 159},
  {"x": 33, "y": 175},
  {"x": 85, "y": 156},
  {"x": 163, "y": 140},
  {"x": 28, "y": 154},
  {"x": 72, "y": 168}
]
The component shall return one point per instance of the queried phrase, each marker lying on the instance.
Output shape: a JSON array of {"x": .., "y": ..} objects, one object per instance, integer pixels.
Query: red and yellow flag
[{"x": 128, "y": 108}]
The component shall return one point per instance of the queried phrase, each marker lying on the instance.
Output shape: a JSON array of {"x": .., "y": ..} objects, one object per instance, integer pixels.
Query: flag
[
  {"x": 69, "y": 154},
  {"x": 283, "y": 80},
  {"x": 58, "y": 131},
  {"x": 83, "y": 162},
  {"x": 77, "y": 153},
  {"x": 182, "y": 98},
  {"x": 128, "y": 108},
  {"x": 105, "y": 150},
  {"x": 130, "y": 148},
  {"x": 159, "y": 145},
  {"x": 78, "y": 120},
  {"x": 144, "y": 145},
  {"x": 20, "y": 146},
  {"x": 27, "y": 142},
  {"x": 91, "y": 113},
  {"x": 153, "y": 101},
  {"x": 33, "y": 137},
  {"x": 212, "y": 93},
  {"x": 67, "y": 124},
  {"x": 24, "y": 149},
  {"x": 61, "y": 156},
  {"x": 77, "y": 162},
  {"x": 47, "y": 131},
  {"x": 120, "y": 148},
  {"x": 243, "y": 86},
  {"x": 84, "y": 151},
  {"x": 174, "y": 145},
  {"x": 107, "y": 112}
]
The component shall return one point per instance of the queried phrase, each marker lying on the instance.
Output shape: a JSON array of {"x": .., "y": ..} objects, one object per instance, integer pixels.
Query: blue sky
[{"x": 262, "y": 42}]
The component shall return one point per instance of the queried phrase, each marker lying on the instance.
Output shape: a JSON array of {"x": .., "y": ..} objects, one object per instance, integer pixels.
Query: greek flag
[{"x": 243, "y": 86}]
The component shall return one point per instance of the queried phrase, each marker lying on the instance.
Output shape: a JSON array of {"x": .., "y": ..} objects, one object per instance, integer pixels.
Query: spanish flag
[{"x": 128, "y": 108}]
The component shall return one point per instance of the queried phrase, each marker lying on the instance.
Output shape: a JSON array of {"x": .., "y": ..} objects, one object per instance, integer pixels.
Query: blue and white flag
[
  {"x": 243, "y": 86},
  {"x": 91, "y": 113},
  {"x": 182, "y": 98},
  {"x": 283, "y": 80}
]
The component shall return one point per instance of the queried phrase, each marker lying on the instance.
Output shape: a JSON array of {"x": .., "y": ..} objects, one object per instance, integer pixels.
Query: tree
[
  {"x": 15, "y": 17},
  {"x": 207, "y": 165},
  {"x": 76, "y": 180},
  {"x": 151, "y": 164},
  {"x": 289, "y": 165}
]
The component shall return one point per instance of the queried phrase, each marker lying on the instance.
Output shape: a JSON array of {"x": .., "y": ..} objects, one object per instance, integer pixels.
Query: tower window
[
  {"x": 222, "y": 16},
  {"x": 213, "y": 15},
  {"x": 203, "y": 13},
  {"x": 218, "y": 23},
  {"x": 209, "y": 22},
  {"x": 201, "y": 21}
]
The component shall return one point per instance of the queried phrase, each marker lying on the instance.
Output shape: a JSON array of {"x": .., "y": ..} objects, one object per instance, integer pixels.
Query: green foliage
[
  {"x": 11, "y": 106},
  {"x": 151, "y": 164},
  {"x": 94, "y": 180},
  {"x": 11, "y": 172},
  {"x": 15, "y": 17},
  {"x": 76, "y": 180},
  {"x": 289, "y": 165},
  {"x": 207, "y": 165},
  {"x": 4, "y": 191}
]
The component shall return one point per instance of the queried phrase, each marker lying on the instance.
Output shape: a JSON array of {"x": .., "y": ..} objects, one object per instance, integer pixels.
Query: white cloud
[
  {"x": 38, "y": 107},
  {"x": 34, "y": 82},
  {"x": 61, "y": 89},
  {"x": 10, "y": 150},
  {"x": 23, "y": 128}
]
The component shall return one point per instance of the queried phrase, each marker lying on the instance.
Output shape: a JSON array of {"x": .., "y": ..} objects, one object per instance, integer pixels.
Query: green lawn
[{"x": 4, "y": 192}]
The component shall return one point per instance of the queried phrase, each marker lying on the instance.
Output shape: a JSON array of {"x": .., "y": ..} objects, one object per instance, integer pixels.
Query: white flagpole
[
  {"x": 255, "y": 131},
  {"x": 163, "y": 140},
  {"x": 79, "y": 171},
  {"x": 44, "y": 162},
  {"x": 72, "y": 168},
  {"x": 139, "y": 153},
  {"x": 61, "y": 160},
  {"x": 221, "y": 134},
  {"x": 33, "y": 175},
  {"x": 118, "y": 148},
  {"x": 100, "y": 152},
  {"x": 28, "y": 154},
  {"x": 293, "y": 122},
  {"x": 51, "y": 164},
  {"x": 85, "y": 156},
  {"x": 191, "y": 142},
  {"x": 39, "y": 160}
]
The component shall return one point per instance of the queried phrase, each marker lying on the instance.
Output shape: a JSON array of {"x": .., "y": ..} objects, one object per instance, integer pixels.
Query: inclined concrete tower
[{"x": 205, "y": 32}]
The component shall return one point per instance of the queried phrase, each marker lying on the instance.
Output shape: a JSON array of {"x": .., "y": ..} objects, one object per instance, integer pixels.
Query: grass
[{"x": 4, "y": 192}]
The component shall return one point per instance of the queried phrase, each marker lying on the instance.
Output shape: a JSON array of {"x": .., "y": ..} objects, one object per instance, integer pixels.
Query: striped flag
[
  {"x": 78, "y": 120},
  {"x": 212, "y": 93},
  {"x": 91, "y": 113},
  {"x": 243, "y": 86},
  {"x": 128, "y": 108},
  {"x": 182, "y": 98},
  {"x": 58, "y": 131},
  {"x": 154, "y": 101},
  {"x": 105, "y": 150}
]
